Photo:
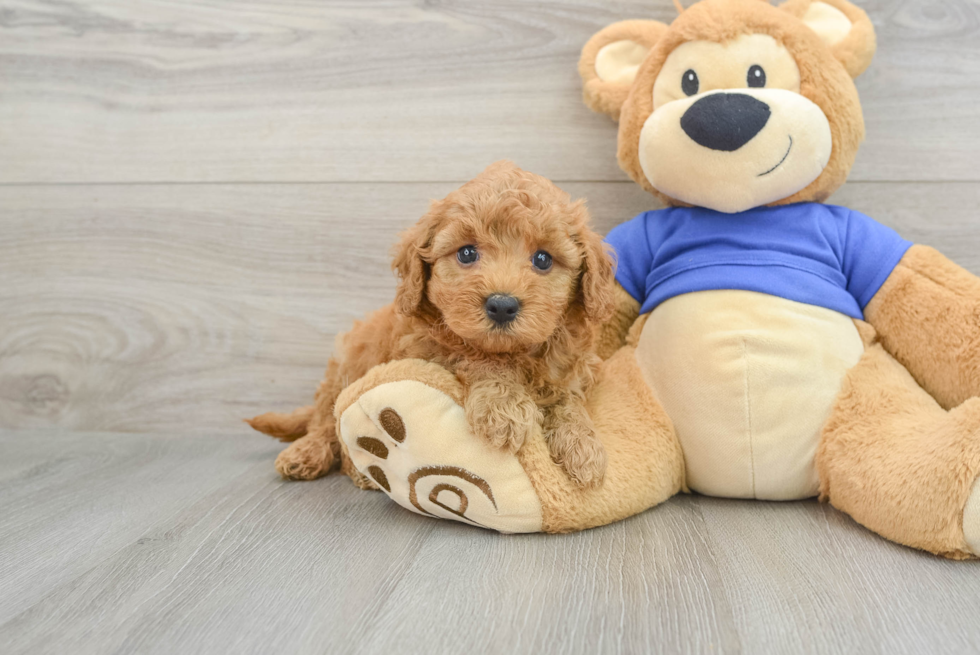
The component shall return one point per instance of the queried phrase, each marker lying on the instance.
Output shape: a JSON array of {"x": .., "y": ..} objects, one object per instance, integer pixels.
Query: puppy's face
[
  {"x": 504, "y": 284},
  {"x": 504, "y": 262}
]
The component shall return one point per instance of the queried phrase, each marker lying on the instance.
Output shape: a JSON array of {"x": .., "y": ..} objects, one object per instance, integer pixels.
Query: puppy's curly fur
[{"x": 533, "y": 370}]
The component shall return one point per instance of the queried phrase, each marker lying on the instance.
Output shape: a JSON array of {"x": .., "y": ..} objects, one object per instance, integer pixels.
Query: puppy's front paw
[
  {"x": 501, "y": 416},
  {"x": 305, "y": 459},
  {"x": 577, "y": 449}
]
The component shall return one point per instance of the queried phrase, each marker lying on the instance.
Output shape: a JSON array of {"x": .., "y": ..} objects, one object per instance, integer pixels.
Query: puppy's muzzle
[{"x": 502, "y": 309}]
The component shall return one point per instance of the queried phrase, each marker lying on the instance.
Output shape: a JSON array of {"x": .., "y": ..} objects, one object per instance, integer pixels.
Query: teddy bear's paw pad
[
  {"x": 971, "y": 519},
  {"x": 415, "y": 443}
]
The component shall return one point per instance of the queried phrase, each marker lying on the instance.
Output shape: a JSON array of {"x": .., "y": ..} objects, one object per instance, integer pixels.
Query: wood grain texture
[
  {"x": 195, "y": 197},
  {"x": 170, "y": 91},
  {"x": 166, "y": 543}
]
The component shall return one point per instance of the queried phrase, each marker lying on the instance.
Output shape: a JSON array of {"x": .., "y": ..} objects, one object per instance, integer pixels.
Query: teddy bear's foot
[
  {"x": 404, "y": 427},
  {"x": 971, "y": 519}
]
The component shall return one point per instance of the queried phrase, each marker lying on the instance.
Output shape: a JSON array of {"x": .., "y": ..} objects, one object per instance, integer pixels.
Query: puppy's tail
[{"x": 284, "y": 427}]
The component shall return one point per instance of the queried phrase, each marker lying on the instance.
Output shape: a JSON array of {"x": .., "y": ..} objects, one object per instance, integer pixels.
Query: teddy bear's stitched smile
[{"x": 781, "y": 160}]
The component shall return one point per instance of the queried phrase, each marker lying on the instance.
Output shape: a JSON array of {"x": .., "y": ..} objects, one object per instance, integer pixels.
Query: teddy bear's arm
[
  {"x": 612, "y": 333},
  {"x": 927, "y": 315}
]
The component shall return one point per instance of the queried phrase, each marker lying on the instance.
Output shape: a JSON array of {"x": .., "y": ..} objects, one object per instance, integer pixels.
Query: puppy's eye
[
  {"x": 756, "y": 77},
  {"x": 541, "y": 261},
  {"x": 467, "y": 255},
  {"x": 690, "y": 83}
]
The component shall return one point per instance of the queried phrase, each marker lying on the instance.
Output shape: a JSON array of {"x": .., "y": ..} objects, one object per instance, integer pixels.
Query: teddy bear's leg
[
  {"x": 900, "y": 464},
  {"x": 404, "y": 426},
  {"x": 644, "y": 461}
]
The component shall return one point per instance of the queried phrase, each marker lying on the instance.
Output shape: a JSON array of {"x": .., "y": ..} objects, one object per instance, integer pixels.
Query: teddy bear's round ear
[
  {"x": 845, "y": 28},
  {"x": 611, "y": 59}
]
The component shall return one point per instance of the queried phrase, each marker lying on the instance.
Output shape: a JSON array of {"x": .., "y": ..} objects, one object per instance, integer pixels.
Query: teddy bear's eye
[
  {"x": 467, "y": 255},
  {"x": 756, "y": 77},
  {"x": 690, "y": 83},
  {"x": 541, "y": 261}
]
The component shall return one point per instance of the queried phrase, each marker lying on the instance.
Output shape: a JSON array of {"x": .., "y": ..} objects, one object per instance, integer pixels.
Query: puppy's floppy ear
[
  {"x": 611, "y": 59},
  {"x": 408, "y": 261},
  {"x": 598, "y": 278},
  {"x": 844, "y": 28}
]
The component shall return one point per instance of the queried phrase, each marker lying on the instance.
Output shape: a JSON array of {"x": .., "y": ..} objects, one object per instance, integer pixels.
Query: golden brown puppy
[{"x": 503, "y": 283}]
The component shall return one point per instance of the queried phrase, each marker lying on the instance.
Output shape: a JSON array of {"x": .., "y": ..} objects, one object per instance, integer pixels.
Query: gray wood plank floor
[{"x": 196, "y": 197}]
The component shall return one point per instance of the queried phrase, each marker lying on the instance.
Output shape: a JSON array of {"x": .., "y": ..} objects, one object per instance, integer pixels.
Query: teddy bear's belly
[{"x": 748, "y": 380}]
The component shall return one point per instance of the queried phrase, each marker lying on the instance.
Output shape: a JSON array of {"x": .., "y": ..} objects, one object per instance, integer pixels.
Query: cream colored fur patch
[
  {"x": 830, "y": 23},
  {"x": 619, "y": 61},
  {"x": 748, "y": 380},
  {"x": 416, "y": 439},
  {"x": 971, "y": 520}
]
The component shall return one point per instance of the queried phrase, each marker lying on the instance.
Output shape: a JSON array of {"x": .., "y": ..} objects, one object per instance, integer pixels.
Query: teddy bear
[{"x": 764, "y": 344}]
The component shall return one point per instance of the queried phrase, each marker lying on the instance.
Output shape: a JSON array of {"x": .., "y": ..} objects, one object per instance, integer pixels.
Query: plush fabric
[
  {"x": 831, "y": 24},
  {"x": 928, "y": 316},
  {"x": 857, "y": 48},
  {"x": 608, "y": 96},
  {"x": 735, "y": 150},
  {"x": 822, "y": 255},
  {"x": 645, "y": 465},
  {"x": 896, "y": 461},
  {"x": 971, "y": 519},
  {"x": 824, "y": 80},
  {"x": 748, "y": 380},
  {"x": 612, "y": 333},
  {"x": 618, "y": 62}
]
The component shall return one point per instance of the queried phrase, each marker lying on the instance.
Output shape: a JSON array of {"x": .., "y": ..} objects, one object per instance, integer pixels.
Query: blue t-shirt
[{"x": 812, "y": 253}]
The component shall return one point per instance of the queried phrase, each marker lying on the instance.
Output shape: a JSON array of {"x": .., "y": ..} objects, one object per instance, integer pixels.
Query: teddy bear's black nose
[
  {"x": 725, "y": 121},
  {"x": 501, "y": 308}
]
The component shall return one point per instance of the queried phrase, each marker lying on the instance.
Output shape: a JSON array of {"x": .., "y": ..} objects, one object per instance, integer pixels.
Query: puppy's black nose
[
  {"x": 501, "y": 308},
  {"x": 725, "y": 121}
]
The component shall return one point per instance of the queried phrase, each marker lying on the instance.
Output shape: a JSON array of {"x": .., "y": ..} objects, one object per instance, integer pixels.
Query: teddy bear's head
[{"x": 737, "y": 103}]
